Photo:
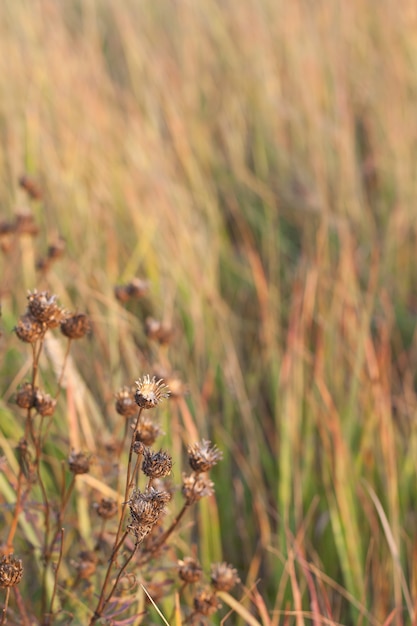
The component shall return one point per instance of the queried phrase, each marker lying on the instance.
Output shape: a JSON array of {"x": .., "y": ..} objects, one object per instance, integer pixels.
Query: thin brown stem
[
  {"x": 166, "y": 534},
  {"x": 6, "y": 604},
  {"x": 47, "y": 617}
]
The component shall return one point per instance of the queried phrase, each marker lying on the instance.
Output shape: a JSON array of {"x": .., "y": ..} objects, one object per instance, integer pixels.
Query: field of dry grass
[{"x": 254, "y": 162}]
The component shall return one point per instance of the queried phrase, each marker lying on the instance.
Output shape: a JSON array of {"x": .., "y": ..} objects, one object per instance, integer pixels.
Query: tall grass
[{"x": 255, "y": 161}]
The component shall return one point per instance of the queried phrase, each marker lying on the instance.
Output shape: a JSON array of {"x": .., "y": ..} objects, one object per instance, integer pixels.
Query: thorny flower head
[
  {"x": 106, "y": 508},
  {"x": 156, "y": 464},
  {"x": 158, "y": 331},
  {"x": 25, "y": 396},
  {"x": 43, "y": 307},
  {"x": 195, "y": 487},
  {"x": 190, "y": 570},
  {"x": 146, "y": 507},
  {"x": 75, "y": 326},
  {"x": 203, "y": 456},
  {"x": 11, "y": 571},
  {"x": 125, "y": 402},
  {"x": 223, "y": 577},
  {"x": 79, "y": 462},
  {"x": 149, "y": 392},
  {"x": 206, "y": 602},
  {"x": 44, "y": 403},
  {"x": 29, "y": 330},
  {"x": 147, "y": 432}
]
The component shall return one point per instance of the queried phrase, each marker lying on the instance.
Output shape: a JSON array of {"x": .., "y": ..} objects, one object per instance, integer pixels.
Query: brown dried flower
[
  {"x": 190, "y": 570},
  {"x": 31, "y": 186},
  {"x": 156, "y": 464},
  {"x": 195, "y": 487},
  {"x": 146, "y": 507},
  {"x": 106, "y": 508},
  {"x": 11, "y": 571},
  {"x": 147, "y": 432},
  {"x": 79, "y": 462},
  {"x": 125, "y": 402},
  {"x": 29, "y": 330},
  {"x": 158, "y": 331},
  {"x": 206, "y": 602},
  {"x": 87, "y": 564},
  {"x": 43, "y": 307},
  {"x": 136, "y": 289},
  {"x": 25, "y": 396},
  {"x": 75, "y": 326},
  {"x": 203, "y": 456},
  {"x": 150, "y": 392},
  {"x": 44, "y": 403},
  {"x": 223, "y": 576}
]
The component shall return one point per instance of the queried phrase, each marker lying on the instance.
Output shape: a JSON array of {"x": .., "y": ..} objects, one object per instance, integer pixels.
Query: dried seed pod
[
  {"x": 195, "y": 487},
  {"x": 203, "y": 456},
  {"x": 156, "y": 464},
  {"x": 43, "y": 307},
  {"x": 136, "y": 289},
  {"x": 75, "y": 326},
  {"x": 206, "y": 602},
  {"x": 44, "y": 403},
  {"x": 147, "y": 431},
  {"x": 87, "y": 564},
  {"x": 11, "y": 571},
  {"x": 146, "y": 507},
  {"x": 29, "y": 330},
  {"x": 25, "y": 396},
  {"x": 190, "y": 570},
  {"x": 149, "y": 392},
  {"x": 125, "y": 402},
  {"x": 106, "y": 508},
  {"x": 158, "y": 331},
  {"x": 79, "y": 462},
  {"x": 223, "y": 576}
]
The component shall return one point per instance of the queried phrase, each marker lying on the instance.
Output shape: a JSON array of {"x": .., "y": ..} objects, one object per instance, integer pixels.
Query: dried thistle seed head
[
  {"x": 24, "y": 224},
  {"x": 87, "y": 564},
  {"x": 43, "y": 307},
  {"x": 11, "y": 571},
  {"x": 29, "y": 330},
  {"x": 158, "y": 331},
  {"x": 106, "y": 508},
  {"x": 203, "y": 456},
  {"x": 44, "y": 403},
  {"x": 195, "y": 487},
  {"x": 206, "y": 602},
  {"x": 125, "y": 402},
  {"x": 223, "y": 577},
  {"x": 79, "y": 462},
  {"x": 75, "y": 326},
  {"x": 25, "y": 396},
  {"x": 156, "y": 464},
  {"x": 150, "y": 392},
  {"x": 146, "y": 507},
  {"x": 147, "y": 431},
  {"x": 190, "y": 570},
  {"x": 31, "y": 186}
]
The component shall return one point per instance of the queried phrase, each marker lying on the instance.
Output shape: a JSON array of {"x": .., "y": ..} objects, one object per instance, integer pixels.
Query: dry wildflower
[
  {"x": 125, "y": 402},
  {"x": 223, "y": 577},
  {"x": 156, "y": 464},
  {"x": 31, "y": 186},
  {"x": 158, "y": 331},
  {"x": 150, "y": 392},
  {"x": 79, "y": 462},
  {"x": 106, "y": 508},
  {"x": 206, "y": 602},
  {"x": 146, "y": 507},
  {"x": 190, "y": 570},
  {"x": 203, "y": 456},
  {"x": 75, "y": 326},
  {"x": 147, "y": 431},
  {"x": 136, "y": 289},
  {"x": 44, "y": 403},
  {"x": 43, "y": 307},
  {"x": 87, "y": 564},
  {"x": 25, "y": 396},
  {"x": 24, "y": 224},
  {"x": 195, "y": 487},
  {"x": 29, "y": 330},
  {"x": 11, "y": 571}
]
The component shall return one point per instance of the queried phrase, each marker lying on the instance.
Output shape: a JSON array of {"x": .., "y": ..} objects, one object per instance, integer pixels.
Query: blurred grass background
[{"x": 256, "y": 162}]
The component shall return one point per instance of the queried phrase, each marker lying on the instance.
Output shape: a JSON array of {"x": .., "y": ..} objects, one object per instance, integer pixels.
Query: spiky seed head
[
  {"x": 79, "y": 463},
  {"x": 125, "y": 402},
  {"x": 223, "y": 576},
  {"x": 195, "y": 487},
  {"x": 75, "y": 326},
  {"x": 11, "y": 571},
  {"x": 156, "y": 464},
  {"x": 30, "y": 330},
  {"x": 25, "y": 396},
  {"x": 147, "y": 431},
  {"x": 203, "y": 456},
  {"x": 146, "y": 507},
  {"x": 44, "y": 403},
  {"x": 190, "y": 570},
  {"x": 44, "y": 308},
  {"x": 150, "y": 392},
  {"x": 106, "y": 508},
  {"x": 206, "y": 602},
  {"x": 158, "y": 331}
]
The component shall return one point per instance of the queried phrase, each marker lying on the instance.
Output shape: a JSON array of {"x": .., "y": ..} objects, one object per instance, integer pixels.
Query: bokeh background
[{"x": 255, "y": 161}]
